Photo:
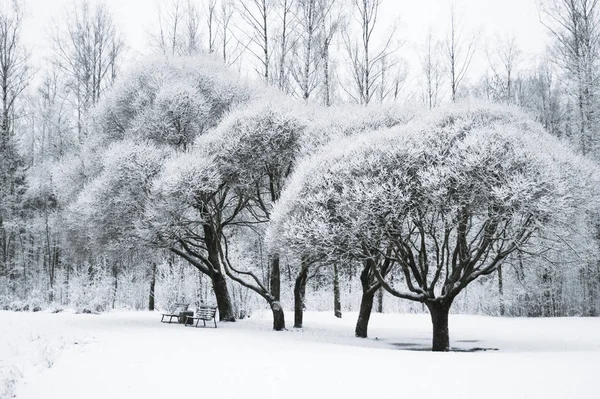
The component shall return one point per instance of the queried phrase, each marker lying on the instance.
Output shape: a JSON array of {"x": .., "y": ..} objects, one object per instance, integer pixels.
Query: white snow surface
[{"x": 132, "y": 355}]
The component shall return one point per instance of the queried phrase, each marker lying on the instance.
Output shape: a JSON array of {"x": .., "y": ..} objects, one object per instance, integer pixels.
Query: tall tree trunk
[
  {"x": 439, "y": 318},
  {"x": 299, "y": 295},
  {"x": 224, "y": 303},
  {"x": 116, "y": 284},
  {"x": 152, "y": 285},
  {"x": 501, "y": 290},
  {"x": 275, "y": 278},
  {"x": 337, "y": 306}
]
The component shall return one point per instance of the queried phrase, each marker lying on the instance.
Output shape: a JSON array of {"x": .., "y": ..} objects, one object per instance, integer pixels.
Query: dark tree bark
[
  {"x": 439, "y": 318},
  {"x": 337, "y": 306},
  {"x": 275, "y": 278},
  {"x": 501, "y": 290},
  {"x": 364, "y": 314},
  {"x": 366, "y": 302},
  {"x": 299, "y": 295},
  {"x": 152, "y": 285},
  {"x": 224, "y": 303},
  {"x": 278, "y": 316}
]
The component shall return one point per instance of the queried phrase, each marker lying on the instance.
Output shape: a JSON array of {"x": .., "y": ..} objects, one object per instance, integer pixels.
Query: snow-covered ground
[{"x": 131, "y": 355}]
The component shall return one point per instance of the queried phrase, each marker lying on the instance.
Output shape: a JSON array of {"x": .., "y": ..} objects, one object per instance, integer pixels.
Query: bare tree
[
  {"x": 433, "y": 70},
  {"x": 286, "y": 42},
  {"x": 503, "y": 61},
  {"x": 211, "y": 15},
  {"x": 192, "y": 29},
  {"x": 332, "y": 24},
  {"x": 225, "y": 17},
  {"x": 178, "y": 29},
  {"x": 546, "y": 98},
  {"x": 460, "y": 49},
  {"x": 256, "y": 15},
  {"x": 365, "y": 63},
  {"x": 87, "y": 49},
  {"x": 310, "y": 14}
]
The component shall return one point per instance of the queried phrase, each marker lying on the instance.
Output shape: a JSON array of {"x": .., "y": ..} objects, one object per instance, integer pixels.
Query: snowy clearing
[{"x": 133, "y": 355}]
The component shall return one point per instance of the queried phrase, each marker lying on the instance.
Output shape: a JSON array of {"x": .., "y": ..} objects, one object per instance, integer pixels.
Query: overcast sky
[{"x": 491, "y": 18}]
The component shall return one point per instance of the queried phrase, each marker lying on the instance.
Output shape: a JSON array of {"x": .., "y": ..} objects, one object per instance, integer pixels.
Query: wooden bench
[
  {"x": 174, "y": 311},
  {"x": 204, "y": 313}
]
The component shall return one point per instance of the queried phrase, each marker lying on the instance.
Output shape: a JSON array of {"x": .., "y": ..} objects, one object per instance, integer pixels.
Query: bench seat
[{"x": 204, "y": 313}]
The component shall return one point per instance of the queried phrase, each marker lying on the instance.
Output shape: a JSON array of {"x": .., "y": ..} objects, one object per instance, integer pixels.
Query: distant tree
[
  {"x": 504, "y": 60},
  {"x": 366, "y": 62},
  {"x": 444, "y": 200},
  {"x": 178, "y": 28},
  {"x": 286, "y": 37},
  {"x": 433, "y": 71},
  {"x": 257, "y": 15},
  {"x": 332, "y": 25},
  {"x": 87, "y": 49},
  {"x": 211, "y": 19},
  {"x": 310, "y": 15},
  {"x": 460, "y": 49}
]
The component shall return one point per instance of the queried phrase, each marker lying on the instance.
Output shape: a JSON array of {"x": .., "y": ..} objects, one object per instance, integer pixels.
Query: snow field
[{"x": 132, "y": 355}]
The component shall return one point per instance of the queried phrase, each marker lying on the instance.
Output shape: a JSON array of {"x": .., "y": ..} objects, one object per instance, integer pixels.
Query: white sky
[{"x": 491, "y": 18}]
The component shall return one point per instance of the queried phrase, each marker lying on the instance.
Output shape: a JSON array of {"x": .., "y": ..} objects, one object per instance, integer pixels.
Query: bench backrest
[
  {"x": 179, "y": 307},
  {"x": 206, "y": 311}
]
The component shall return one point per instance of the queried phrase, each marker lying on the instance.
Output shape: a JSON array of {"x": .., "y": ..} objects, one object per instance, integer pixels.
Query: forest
[{"x": 282, "y": 155}]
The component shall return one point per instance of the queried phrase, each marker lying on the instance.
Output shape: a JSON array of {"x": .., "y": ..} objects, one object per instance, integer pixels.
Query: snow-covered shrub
[{"x": 91, "y": 289}]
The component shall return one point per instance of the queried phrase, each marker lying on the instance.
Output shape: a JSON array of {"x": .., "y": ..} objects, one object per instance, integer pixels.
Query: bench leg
[
  {"x": 204, "y": 321},
  {"x": 197, "y": 321},
  {"x": 215, "y": 320},
  {"x": 162, "y": 318}
]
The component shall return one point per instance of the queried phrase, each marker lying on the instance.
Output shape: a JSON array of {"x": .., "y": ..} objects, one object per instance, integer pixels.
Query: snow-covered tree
[
  {"x": 445, "y": 200},
  {"x": 225, "y": 186},
  {"x": 157, "y": 110}
]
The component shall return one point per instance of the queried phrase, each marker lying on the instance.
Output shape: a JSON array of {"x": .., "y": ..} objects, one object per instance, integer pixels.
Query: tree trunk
[
  {"x": 278, "y": 316},
  {"x": 299, "y": 295},
  {"x": 115, "y": 284},
  {"x": 224, "y": 304},
  {"x": 275, "y": 278},
  {"x": 501, "y": 290},
  {"x": 337, "y": 306},
  {"x": 439, "y": 318},
  {"x": 152, "y": 285},
  {"x": 366, "y": 302},
  {"x": 380, "y": 300},
  {"x": 364, "y": 314}
]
